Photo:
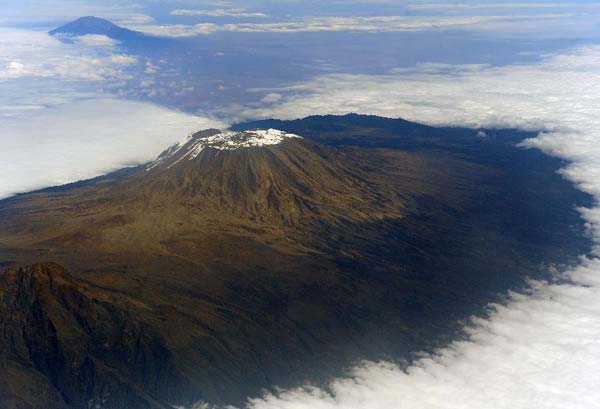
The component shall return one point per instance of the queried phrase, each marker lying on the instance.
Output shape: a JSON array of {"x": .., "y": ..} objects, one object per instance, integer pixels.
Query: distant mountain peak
[
  {"x": 93, "y": 22},
  {"x": 94, "y": 25},
  {"x": 195, "y": 143}
]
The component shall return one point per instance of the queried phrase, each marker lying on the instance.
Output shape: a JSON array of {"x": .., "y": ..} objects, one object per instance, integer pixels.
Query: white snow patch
[{"x": 192, "y": 146}]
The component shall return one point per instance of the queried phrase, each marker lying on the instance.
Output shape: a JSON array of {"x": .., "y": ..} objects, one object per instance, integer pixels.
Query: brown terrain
[{"x": 213, "y": 277}]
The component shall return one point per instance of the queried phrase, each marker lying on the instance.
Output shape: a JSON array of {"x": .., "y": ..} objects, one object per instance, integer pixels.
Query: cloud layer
[
  {"x": 385, "y": 23},
  {"x": 57, "y": 125},
  {"x": 34, "y": 54},
  {"x": 231, "y": 12},
  {"x": 84, "y": 139},
  {"x": 542, "y": 349},
  {"x": 562, "y": 91}
]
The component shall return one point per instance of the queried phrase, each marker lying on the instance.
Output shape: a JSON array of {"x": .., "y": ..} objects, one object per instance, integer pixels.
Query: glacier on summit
[{"x": 195, "y": 143}]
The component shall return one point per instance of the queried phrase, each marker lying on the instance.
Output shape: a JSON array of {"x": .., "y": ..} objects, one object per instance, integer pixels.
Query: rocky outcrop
[{"x": 74, "y": 348}]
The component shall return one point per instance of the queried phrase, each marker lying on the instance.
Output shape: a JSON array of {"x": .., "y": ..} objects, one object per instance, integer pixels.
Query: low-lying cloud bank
[
  {"x": 84, "y": 139},
  {"x": 542, "y": 349},
  {"x": 561, "y": 92}
]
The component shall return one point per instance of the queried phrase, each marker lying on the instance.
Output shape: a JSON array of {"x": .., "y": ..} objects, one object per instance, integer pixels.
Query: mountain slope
[
  {"x": 68, "y": 333},
  {"x": 261, "y": 258},
  {"x": 237, "y": 244},
  {"x": 282, "y": 194}
]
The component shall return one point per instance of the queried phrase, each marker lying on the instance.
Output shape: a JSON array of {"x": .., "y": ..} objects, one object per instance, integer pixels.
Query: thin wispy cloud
[
  {"x": 471, "y": 5},
  {"x": 235, "y": 12},
  {"x": 498, "y": 23}
]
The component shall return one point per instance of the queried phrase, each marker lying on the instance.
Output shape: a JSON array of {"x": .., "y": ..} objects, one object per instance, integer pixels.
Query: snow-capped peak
[
  {"x": 234, "y": 140},
  {"x": 191, "y": 146}
]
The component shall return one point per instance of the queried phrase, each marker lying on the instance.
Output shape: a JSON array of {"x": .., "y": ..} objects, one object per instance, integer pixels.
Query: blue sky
[{"x": 73, "y": 111}]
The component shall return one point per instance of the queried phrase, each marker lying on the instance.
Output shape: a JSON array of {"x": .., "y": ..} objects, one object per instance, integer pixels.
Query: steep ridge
[
  {"x": 244, "y": 260},
  {"x": 61, "y": 334}
]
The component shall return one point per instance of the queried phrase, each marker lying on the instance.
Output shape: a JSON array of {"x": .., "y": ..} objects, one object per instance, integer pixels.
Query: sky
[{"x": 70, "y": 111}]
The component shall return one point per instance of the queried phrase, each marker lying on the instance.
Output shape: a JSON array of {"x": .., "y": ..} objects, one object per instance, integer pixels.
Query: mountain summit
[
  {"x": 217, "y": 140},
  {"x": 95, "y": 25}
]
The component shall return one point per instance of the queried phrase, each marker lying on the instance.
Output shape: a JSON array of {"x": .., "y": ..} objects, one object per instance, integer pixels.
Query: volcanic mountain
[
  {"x": 266, "y": 186},
  {"x": 241, "y": 260},
  {"x": 97, "y": 26}
]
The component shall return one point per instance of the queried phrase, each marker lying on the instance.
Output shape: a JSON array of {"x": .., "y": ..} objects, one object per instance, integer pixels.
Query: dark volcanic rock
[{"x": 76, "y": 347}]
